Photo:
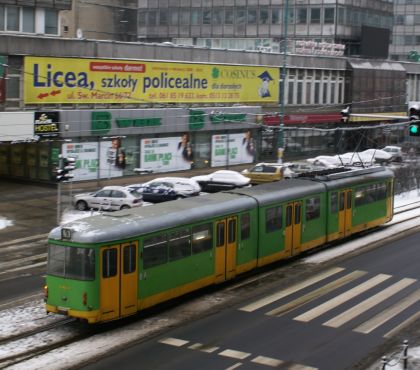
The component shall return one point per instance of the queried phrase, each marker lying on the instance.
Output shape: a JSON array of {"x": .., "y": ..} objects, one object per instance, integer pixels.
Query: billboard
[
  {"x": 232, "y": 149},
  {"x": 166, "y": 154},
  {"x": 87, "y": 81}
]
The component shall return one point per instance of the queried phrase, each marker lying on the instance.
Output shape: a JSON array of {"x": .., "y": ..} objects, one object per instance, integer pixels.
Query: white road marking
[
  {"x": 268, "y": 361},
  {"x": 388, "y": 314},
  {"x": 174, "y": 342},
  {"x": 234, "y": 354},
  {"x": 367, "y": 304},
  {"x": 235, "y": 366},
  {"x": 316, "y": 293},
  {"x": 17, "y": 262},
  {"x": 16, "y": 241},
  {"x": 403, "y": 325},
  {"x": 293, "y": 289},
  {"x": 340, "y": 299},
  {"x": 203, "y": 348}
]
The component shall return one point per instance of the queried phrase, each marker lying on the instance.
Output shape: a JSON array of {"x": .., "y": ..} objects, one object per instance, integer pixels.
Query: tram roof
[{"x": 133, "y": 222}]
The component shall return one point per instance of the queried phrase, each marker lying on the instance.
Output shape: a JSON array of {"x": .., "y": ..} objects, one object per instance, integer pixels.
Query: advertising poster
[
  {"x": 112, "y": 159},
  {"x": 86, "y": 155},
  {"x": 86, "y": 81},
  {"x": 232, "y": 149},
  {"x": 166, "y": 154}
]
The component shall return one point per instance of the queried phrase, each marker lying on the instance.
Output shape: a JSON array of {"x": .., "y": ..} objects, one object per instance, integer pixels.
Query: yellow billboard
[{"x": 87, "y": 81}]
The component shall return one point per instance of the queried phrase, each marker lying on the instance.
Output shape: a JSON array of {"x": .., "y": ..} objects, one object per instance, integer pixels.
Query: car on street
[
  {"x": 377, "y": 155},
  {"x": 267, "y": 172},
  {"x": 109, "y": 198},
  {"x": 395, "y": 151},
  {"x": 183, "y": 186},
  {"x": 157, "y": 192},
  {"x": 222, "y": 180},
  {"x": 325, "y": 161}
]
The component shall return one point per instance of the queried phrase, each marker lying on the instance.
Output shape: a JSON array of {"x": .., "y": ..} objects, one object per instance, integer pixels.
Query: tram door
[
  {"x": 118, "y": 284},
  {"x": 344, "y": 213},
  {"x": 293, "y": 228},
  {"x": 226, "y": 244}
]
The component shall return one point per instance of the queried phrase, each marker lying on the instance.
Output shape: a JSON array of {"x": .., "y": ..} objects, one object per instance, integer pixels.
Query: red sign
[{"x": 293, "y": 119}]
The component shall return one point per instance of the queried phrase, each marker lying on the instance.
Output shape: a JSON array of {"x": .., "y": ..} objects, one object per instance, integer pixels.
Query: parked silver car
[{"x": 109, "y": 198}]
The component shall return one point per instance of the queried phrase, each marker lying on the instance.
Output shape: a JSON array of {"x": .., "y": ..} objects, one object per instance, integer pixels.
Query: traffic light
[
  {"x": 414, "y": 116},
  {"x": 65, "y": 166},
  {"x": 345, "y": 114}
]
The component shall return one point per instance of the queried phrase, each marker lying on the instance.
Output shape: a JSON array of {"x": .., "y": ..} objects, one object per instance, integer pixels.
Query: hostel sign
[{"x": 87, "y": 81}]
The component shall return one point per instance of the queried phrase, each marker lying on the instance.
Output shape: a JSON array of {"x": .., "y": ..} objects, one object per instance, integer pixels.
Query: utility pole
[{"x": 280, "y": 137}]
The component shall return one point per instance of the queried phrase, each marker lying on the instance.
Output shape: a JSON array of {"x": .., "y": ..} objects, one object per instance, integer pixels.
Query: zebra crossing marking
[
  {"x": 316, "y": 293},
  {"x": 367, "y": 304},
  {"x": 388, "y": 314},
  {"x": 403, "y": 325},
  {"x": 293, "y": 289},
  {"x": 340, "y": 299}
]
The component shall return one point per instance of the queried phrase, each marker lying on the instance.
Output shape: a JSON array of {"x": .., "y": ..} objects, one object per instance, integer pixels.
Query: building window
[
  {"x": 12, "y": 18},
  {"x": 276, "y": 16},
  {"x": 163, "y": 18},
  {"x": 174, "y": 17},
  {"x": 184, "y": 19},
  {"x": 302, "y": 16},
  {"x": 207, "y": 16},
  {"x": 28, "y": 20},
  {"x": 252, "y": 16},
  {"x": 328, "y": 15},
  {"x": 1, "y": 17},
  {"x": 315, "y": 15},
  {"x": 229, "y": 16},
  {"x": 218, "y": 16},
  {"x": 196, "y": 17},
  {"x": 264, "y": 16},
  {"x": 12, "y": 86},
  {"x": 152, "y": 18},
  {"x": 240, "y": 15}
]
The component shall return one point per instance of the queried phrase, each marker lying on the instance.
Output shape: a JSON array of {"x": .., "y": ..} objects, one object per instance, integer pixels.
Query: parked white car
[
  {"x": 222, "y": 180},
  {"x": 377, "y": 155},
  {"x": 109, "y": 198},
  {"x": 184, "y": 186},
  {"x": 395, "y": 151}
]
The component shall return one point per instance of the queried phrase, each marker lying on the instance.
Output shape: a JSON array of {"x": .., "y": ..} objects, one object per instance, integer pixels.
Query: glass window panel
[
  {"x": 240, "y": 15},
  {"x": 229, "y": 16},
  {"x": 152, "y": 18},
  {"x": 302, "y": 16},
  {"x": 12, "y": 87},
  {"x": 220, "y": 241},
  {"x": 334, "y": 202},
  {"x": 245, "y": 226},
  {"x": 155, "y": 251},
  {"x": 109, "y": 262},
  {"x": 329, "y": 15},
  {"x": 313, "y": 208},
  {"x": 56, "y": 260},
  {"x": 289, "y": 215},
  {"x": 218, "y": 16},
  {"x": 273, "y": 220},
  {"x": 207, "y": 16},
  {"x": 202, "y": 238},
  {"x": 276, "y": 16},
  {"x": 51, "y": 22},
  {"x": 12, "y": 18},
  {"x": 28, "y": 20},
  {"x": 184, "y": 17},
  {"x": 174, "y": 17},
  {"x": 349, "y": 195},
  {"x": 129, "y": 259},
  {"x": 163, "y": 17},
  {"x": 297, "y": 213},
  {"x": 231, "y": 231},
  {"x": 252, "y": 16},
  {"x": 179, "y": 244},
  {"x": 316, "y": 15},
  {"x": 264, "y": 16},
  {"x": 196, "y": 17}
]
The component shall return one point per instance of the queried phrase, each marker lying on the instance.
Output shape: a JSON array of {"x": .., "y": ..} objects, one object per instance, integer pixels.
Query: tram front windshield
[{"x": 71, "y": 262}]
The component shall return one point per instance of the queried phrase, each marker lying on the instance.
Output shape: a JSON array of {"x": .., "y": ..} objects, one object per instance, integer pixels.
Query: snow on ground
[{"x": 31, "y": 315}]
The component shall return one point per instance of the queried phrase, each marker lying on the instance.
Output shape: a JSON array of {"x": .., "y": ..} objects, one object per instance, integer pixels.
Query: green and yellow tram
[{"x": 112, "y": 265}]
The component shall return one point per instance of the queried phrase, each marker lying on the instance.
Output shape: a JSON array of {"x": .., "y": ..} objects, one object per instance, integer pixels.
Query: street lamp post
[{"x": 280, "y": 137}]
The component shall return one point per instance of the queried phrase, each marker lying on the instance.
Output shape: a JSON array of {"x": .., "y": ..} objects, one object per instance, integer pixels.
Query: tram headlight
[{"x": 45, "y": 292}]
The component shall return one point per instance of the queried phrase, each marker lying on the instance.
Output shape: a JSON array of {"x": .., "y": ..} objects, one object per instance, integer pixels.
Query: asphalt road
[{"x": 346, "y": 330}]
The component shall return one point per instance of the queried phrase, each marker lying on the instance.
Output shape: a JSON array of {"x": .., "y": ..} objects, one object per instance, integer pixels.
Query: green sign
[
  {"x": 227, "y": 117},
  {"x": 197, "y": 119}
]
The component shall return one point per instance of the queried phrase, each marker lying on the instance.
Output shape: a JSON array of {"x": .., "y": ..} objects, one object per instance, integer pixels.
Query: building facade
[{"x": 259, "y": 24}]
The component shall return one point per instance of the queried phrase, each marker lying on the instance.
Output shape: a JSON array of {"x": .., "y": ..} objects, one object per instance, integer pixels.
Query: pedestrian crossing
[{"x": 358, "y": 301}]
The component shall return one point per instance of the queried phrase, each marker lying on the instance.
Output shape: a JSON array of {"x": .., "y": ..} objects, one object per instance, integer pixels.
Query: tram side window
[
  {"x": 109, "y": 262},
  {"x": 179, "y": 244},
  {"x": 56, "y": 260},
  {"x": 313, "y": 208},
  {"x": 273, "y": 219},
  {"x": 381, "y": 191},
  {"x": 360, "y": 197},
  {"x": 245, "y": 226},
  {"x": 155, "y": 251},
  {"x": 129, "y": 258},
  {"x": 370, "y": 194},
  {"x": 202, "y": 238},
  {"x": 334, "y": 202}
]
